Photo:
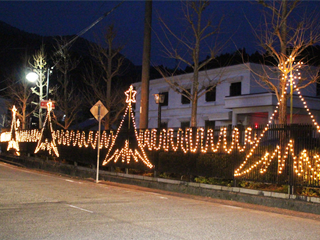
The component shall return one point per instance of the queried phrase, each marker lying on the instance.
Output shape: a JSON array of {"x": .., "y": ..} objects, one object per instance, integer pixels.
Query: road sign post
[{"x": 98, "y": 111}]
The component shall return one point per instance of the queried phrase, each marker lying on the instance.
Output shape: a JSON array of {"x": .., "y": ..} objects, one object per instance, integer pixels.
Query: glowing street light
[
  {"x": 32, "y": 77},
  {"x": 159, "y": 99}
]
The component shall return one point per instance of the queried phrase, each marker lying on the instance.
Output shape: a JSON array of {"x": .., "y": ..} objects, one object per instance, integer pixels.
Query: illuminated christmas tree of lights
[
  {"x": 282, "y": 154},
  {"x": 47, "y": 144},
  {"x": 13, "y": 142},
  {"x": 126, "y": 152}
]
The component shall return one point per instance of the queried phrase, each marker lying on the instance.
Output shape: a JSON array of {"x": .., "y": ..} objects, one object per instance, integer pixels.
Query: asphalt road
[{"x": 40, "y": 205}]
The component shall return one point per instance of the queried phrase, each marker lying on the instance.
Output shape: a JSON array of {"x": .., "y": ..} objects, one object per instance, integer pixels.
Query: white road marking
[
  {"x": 163, "y": 197},
  {"x": 82, "y": 209},
  {"x": 234, "y": 207},
  {"x": 69, "y": 180}
]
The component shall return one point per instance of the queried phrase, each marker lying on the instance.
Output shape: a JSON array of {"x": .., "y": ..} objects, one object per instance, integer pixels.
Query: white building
[{"x": 238, "y": 99}]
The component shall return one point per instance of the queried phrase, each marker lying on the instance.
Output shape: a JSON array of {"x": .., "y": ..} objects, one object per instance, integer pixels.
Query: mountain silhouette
[{"x": 15, "y": 44}]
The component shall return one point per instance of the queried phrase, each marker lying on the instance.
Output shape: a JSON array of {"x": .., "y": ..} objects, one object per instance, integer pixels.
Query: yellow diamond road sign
[{"x": 95, "y": 110}]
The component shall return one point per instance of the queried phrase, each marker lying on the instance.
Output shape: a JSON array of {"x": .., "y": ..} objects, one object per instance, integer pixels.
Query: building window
[
  {"x": 164, "y": 125},
  {"x": 209, "y": 125},
  {"x": 318, "y": 89},
  {"x": 185, "y": 124},
  {"x": 166, "y": 98},
  {"x": 235, "y": 89},
  {"x": 211, "y": 95},
  {"x": 185, "y": 100}
]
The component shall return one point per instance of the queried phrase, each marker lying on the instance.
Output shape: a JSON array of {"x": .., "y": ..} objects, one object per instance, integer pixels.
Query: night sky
[{"x": 58, "y": 18}]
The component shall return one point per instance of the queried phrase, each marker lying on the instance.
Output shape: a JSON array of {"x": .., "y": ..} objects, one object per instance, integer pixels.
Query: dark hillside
[{"x": 15, "y": 44}]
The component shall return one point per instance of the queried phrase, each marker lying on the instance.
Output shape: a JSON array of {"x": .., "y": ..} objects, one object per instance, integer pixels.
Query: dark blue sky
[{"x": 52, "y": 18}]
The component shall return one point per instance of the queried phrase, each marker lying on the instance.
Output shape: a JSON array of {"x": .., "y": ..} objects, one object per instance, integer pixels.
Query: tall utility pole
[{"x": 145, "y": 75}]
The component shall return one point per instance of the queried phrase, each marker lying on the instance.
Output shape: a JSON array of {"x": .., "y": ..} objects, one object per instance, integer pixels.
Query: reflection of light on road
[{"x": 82, "y": 209}]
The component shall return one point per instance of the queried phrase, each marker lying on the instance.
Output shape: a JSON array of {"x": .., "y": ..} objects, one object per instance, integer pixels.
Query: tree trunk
[
  {"x": 195, "y": 83},
  {"x": 283, "y": 46},
  {"x": 194, "y": 106}
]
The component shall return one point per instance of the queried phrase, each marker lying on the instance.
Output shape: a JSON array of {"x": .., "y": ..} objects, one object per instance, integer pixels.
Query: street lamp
[
  {"x": 32, "y": 77},
  {"x": 159, "y": 99},
  {"x": 37, "y": 77}
]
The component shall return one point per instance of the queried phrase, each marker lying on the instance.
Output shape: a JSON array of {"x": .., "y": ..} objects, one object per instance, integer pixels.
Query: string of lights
[
  {"x": 72, "y": 138},
  {"x": 171, "y": 140},
  {"x": 282, "y": 155},
  {"x": 13, "y": 142},
  {"x": 126, "y": 152},
  {"x": 46, "y": 144},
  {"x": 306, "y": 163}
]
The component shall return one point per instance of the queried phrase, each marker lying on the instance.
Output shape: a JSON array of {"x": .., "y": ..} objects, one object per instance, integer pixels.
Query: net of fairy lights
[
  {"x": 126, "y": 153},
  {"x": 300, "y": 166},
  {"x": 46, "y": 144},
  {"x": 13, "y": 142}
]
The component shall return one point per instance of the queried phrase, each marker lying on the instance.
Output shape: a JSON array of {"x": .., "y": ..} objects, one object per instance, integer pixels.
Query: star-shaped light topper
[
  {"x": 131, "y": 95},
  {"x": 14, "y": 111},
  {"x": 49, "y": 106}
]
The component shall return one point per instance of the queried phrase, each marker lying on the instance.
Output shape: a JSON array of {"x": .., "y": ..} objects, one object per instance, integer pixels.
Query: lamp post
[
  {"x": 159, "y": 99},
  {"x": 35, "y": 77}
]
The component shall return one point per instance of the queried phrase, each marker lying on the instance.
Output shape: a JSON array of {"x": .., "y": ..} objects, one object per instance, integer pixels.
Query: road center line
[{"x": 82, "y": 209}]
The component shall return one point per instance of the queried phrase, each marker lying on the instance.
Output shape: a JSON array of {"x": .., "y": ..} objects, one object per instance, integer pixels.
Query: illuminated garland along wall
[
  {"x": 66, "y": 138},
  {"x": 306, "y": 163}
]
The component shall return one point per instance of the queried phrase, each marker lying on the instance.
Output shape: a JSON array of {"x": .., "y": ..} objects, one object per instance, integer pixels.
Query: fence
[{"x": 282, "y": 154}]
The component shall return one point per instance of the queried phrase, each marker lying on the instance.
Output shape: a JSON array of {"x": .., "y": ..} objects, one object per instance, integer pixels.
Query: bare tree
[
  {"x": 39, "y": 66},
  {"x": 285, "y": 36},
  {"x": 196, "y": 34},
  {"x": 96, "y": 92},
  {"x": 20, "y": 94},
  {"x": 68, "y": 100},
  {"x": 109, "y": 61}
]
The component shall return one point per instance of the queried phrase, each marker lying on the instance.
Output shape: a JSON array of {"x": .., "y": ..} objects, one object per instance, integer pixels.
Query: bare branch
[{"x": 191, "y": 39}]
